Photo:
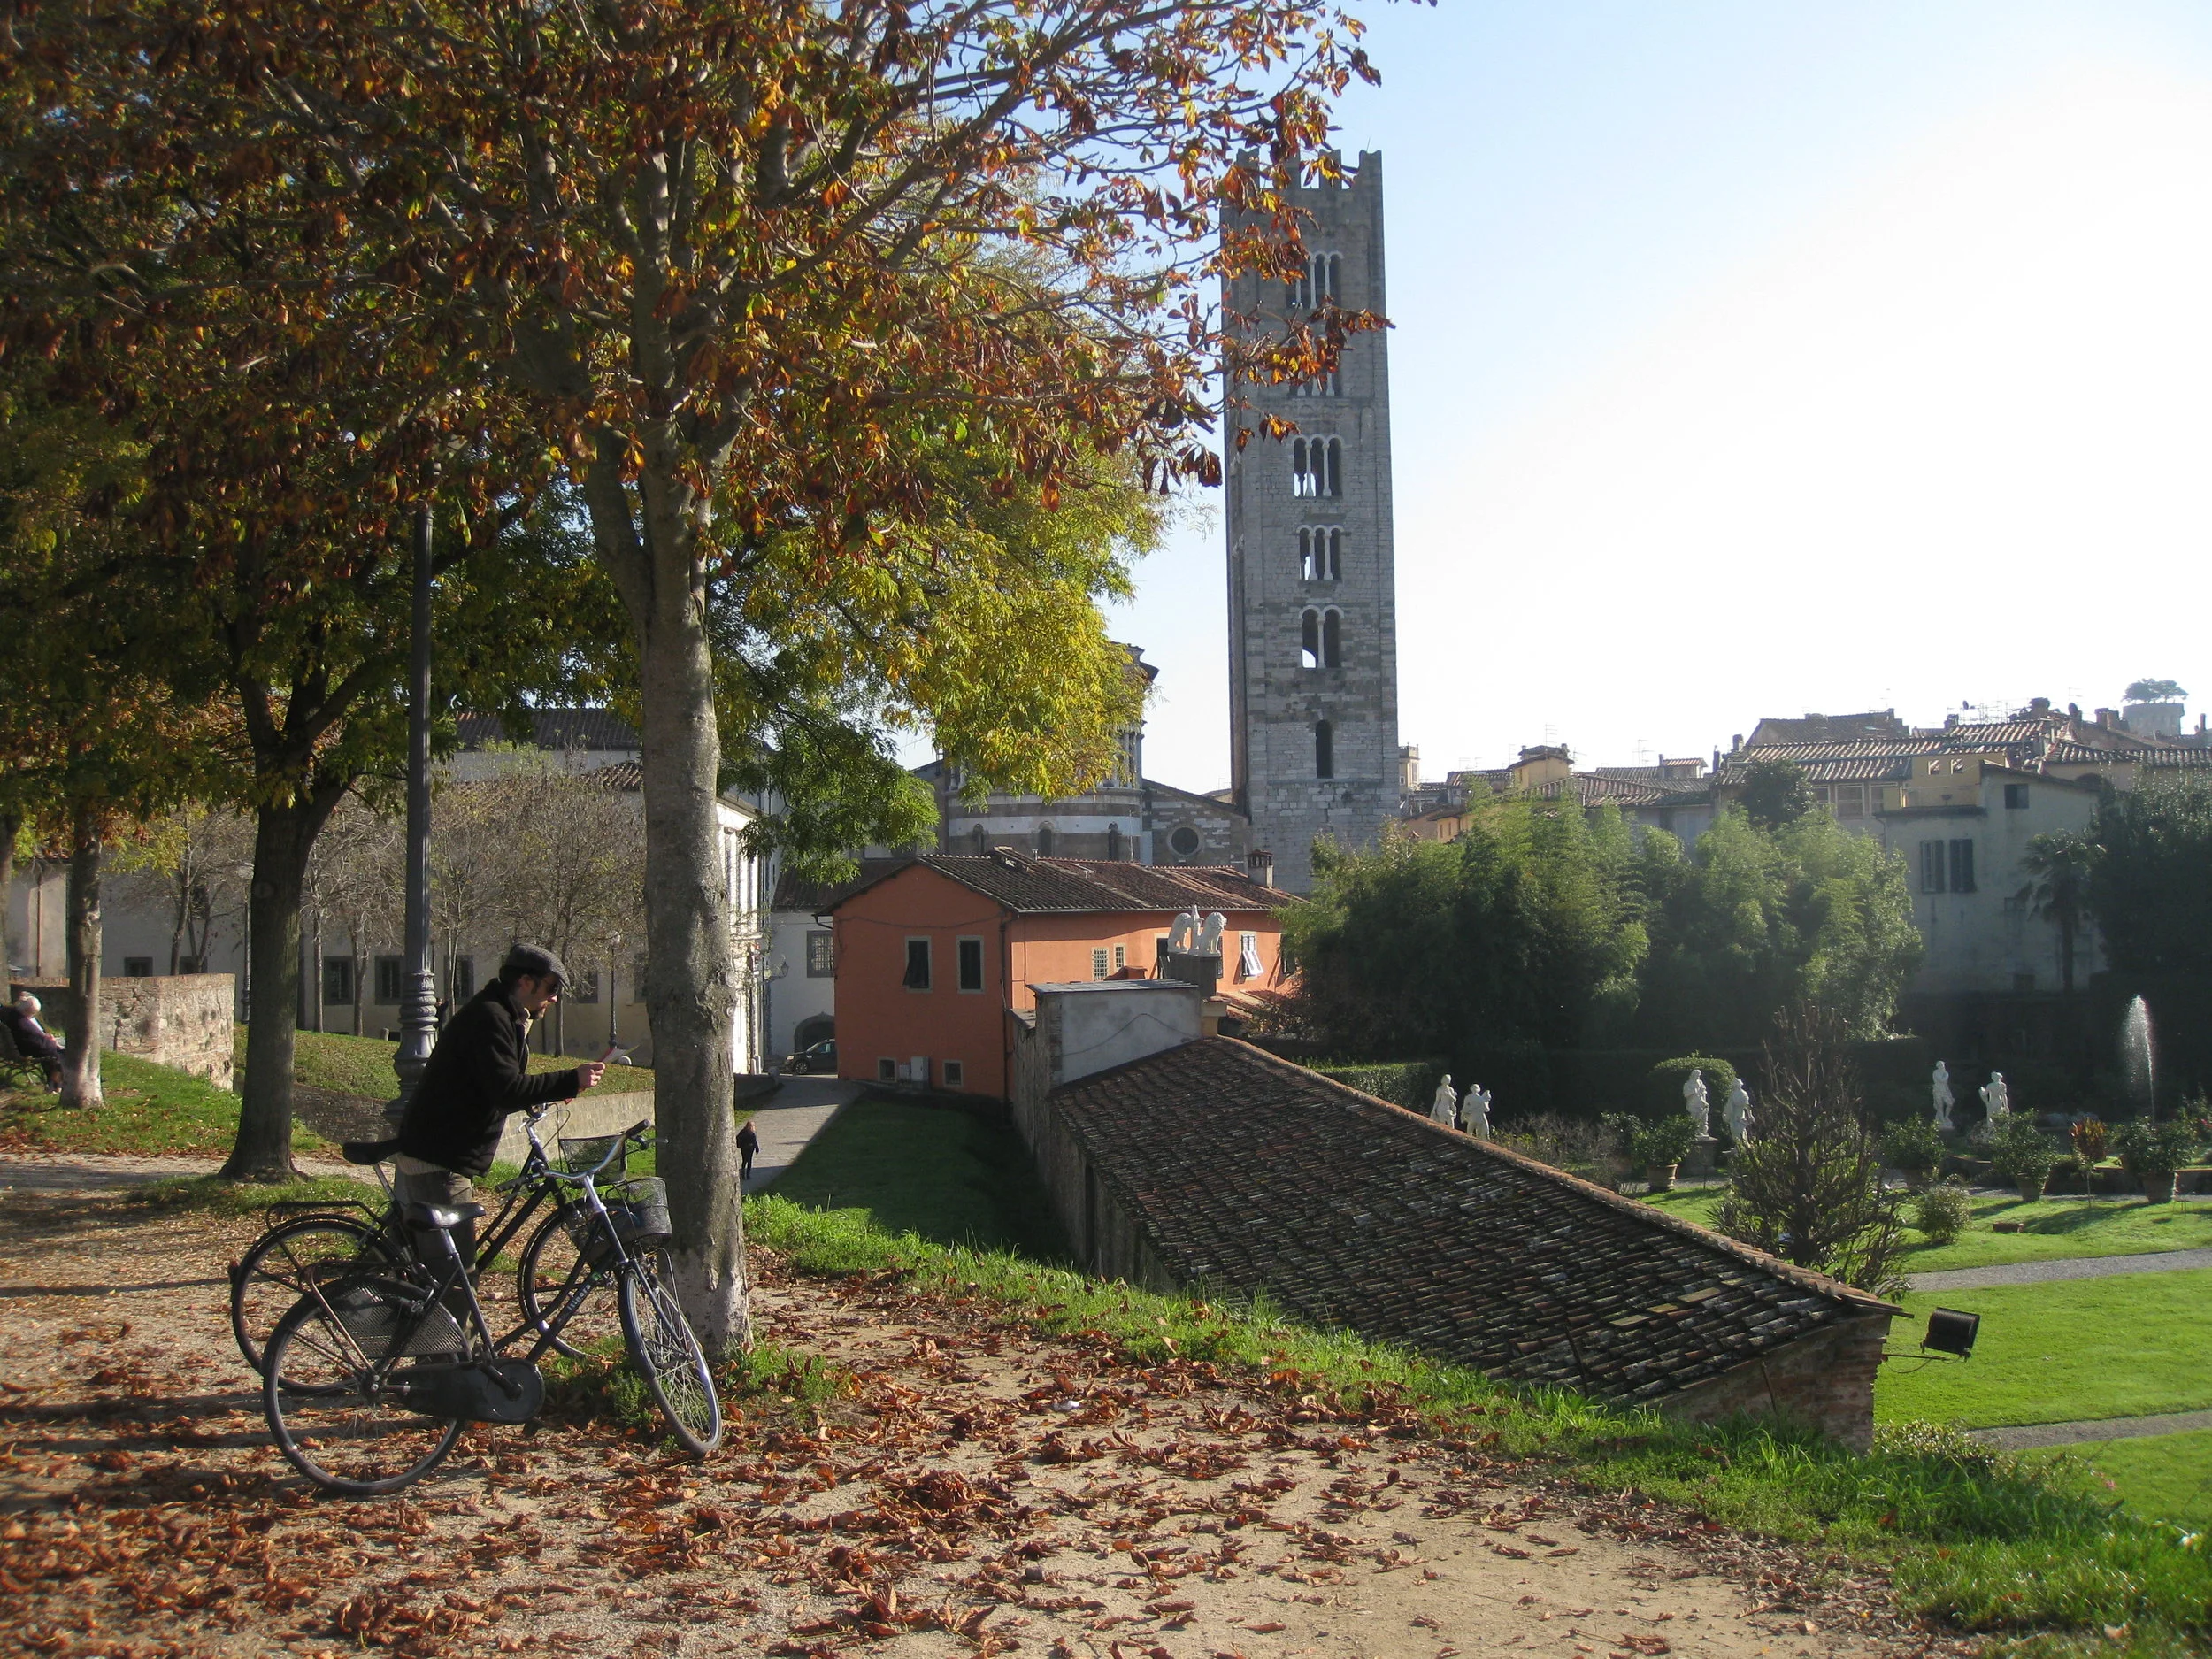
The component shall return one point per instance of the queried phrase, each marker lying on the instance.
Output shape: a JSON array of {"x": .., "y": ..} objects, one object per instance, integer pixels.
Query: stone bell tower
[{"x": 1313, "y": 616}]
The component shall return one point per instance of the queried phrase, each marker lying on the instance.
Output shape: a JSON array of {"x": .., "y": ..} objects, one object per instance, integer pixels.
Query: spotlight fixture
[{"x": 1951, "y": 1331}]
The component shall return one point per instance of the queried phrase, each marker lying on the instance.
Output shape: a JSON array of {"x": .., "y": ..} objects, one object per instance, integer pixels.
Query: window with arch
[
  {"x": 1044, "y": 840},
  {"x": 1323, "y": 750},
  {"x": 1320, "y": 555},
  {"x": 1317, "y": 284},
  {"x": 1317, "y": 467},
  {"x": 1113, "y": 842},
  {"x": 982, "y": 842},
  {"x": 1320, "y": 639},
  {"x": 1327, "y": 385}
]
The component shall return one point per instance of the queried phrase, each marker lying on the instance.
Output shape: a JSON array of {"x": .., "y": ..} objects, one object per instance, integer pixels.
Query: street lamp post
[{"x": 418, "y": 1006}]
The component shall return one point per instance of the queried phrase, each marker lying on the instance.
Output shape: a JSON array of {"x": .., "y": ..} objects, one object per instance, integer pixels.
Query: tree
[
  {"x": 1774, "y": 794},
  {"x": 185, "y": 871},
  {"x": 356, "y": 880},
  {"x": 1808, "y": 1185},
  {"x": 2058, "y": 865},
  {"x": 2147, "y": 886},
  {"x": 2154, "y": 691},
  {"x": 743, "y": 264}
]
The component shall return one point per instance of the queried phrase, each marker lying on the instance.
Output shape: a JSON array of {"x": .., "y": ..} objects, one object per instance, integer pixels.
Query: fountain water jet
[{"x": 2137, "y": 1059}]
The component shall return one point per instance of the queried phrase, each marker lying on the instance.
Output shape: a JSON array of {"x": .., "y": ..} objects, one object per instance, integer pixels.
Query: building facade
[{"x": 1313, "y": 652}]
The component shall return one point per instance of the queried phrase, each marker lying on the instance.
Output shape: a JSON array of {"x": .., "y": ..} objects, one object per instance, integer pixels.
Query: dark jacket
[
  {"x": 32, "y": 1040},
  {"x": 477, "y": 1074}
]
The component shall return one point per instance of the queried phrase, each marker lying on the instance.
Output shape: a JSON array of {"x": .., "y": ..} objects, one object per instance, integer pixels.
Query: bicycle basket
[
  {"x": 580, "y": 1153},
  {"x": 639, "y": 1212}
]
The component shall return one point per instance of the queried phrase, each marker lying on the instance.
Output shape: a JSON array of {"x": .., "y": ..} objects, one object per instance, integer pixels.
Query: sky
[{"x": 1765, "y": 359}]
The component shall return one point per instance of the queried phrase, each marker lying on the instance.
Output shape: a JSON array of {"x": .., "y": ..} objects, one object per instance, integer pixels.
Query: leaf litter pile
[{"x": 929, "y": 1473}]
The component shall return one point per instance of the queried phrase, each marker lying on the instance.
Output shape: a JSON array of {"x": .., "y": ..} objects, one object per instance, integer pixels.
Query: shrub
[
  {"x": 1565, "y": 1143},
  {"x": 2091, "y": 1139},
  {"x": 1913, "y": 1146},
  {"x": 2155, "y": 1148},
  {"x": 1408, "y": 1083},
  {"x": 2019, "y": 1151},
  {"x": 1620, "y": 1130},
  {"x": 1942, "y": 1211},
  {"x": 1663, "y": 1094},
  {"x": 1665, "y": 1141}
]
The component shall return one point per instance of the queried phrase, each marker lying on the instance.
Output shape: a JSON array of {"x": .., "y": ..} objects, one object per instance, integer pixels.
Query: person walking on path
[
  {"x": 478, "y": 1074},
  {"x": 747, "y": 1145}
]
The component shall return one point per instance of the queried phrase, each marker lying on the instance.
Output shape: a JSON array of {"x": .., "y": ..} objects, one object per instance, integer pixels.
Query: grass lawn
[
  {"x": 2165, "y": 1477},
  {"x": 362, "y": 1065},
  {"x": 2055, "y": 1228},
  {"x": 2057, "y": 1352},
  {"x": 150, "y": 1110},
  {"x": 948, "y": 1176}
]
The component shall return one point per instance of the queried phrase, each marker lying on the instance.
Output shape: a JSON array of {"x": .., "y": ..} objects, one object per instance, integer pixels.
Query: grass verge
[
  {"x": 362, "y": 1065},
  {"x": 1994, "y": 1542},
  {"x": 2166, "y": 1475},
  {"x": 214, "y": 1196},
  {"x": 150, "y": 1110},
  {"x": 2059, "y": 1352}
]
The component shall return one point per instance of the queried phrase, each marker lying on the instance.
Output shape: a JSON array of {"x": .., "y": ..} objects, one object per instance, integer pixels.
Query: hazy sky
[{"x": 1764, "y": 358}]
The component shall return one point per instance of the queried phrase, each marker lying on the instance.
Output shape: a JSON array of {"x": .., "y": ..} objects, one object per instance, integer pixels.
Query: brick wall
[
  {"x": 181, "y": 1020},
  {"x": 1826, "y": 1379}
]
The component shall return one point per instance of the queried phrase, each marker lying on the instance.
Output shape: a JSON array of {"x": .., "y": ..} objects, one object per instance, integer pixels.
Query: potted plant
[
  {"x": 2091, "y": 1140},
  {"x": 2153, "y": 1152},
  {"x": 2021, "y": 1154},
  {"x": 1914, "y": 1148},
  {"x": 1660, "y": 1147}
]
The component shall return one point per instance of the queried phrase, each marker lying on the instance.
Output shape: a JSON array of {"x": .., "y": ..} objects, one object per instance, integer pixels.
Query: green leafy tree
[
  {"x": 1775, "y": 793},
  {"x": 2058, "y": 864},
  {"x": 2154, "y": 691},
  {"x": 2147, "y": 887}
]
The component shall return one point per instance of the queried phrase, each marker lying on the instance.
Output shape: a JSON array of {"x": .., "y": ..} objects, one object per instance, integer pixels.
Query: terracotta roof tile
[
  {"x": 552, "y": 729},
  {"x": 1025, "y": 885},
  {"x": 1251, "y": 1172}
]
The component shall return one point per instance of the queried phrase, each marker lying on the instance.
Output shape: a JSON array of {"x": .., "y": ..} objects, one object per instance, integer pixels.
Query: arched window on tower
[
  {"x": 1319, "y": 554},
  {"x": 1309, "y": 640},
  {"x": 1317, "y": 283},
  {"x": 1331, "y": 639},
  {"x": 982, "y": 842},
  {"x": 1333, "y": 479},
  {"x": 1044, "y": 840},
  {"x": 1113, "y": 842},
  {"x": 1323, "y": 750},
  {"x": 1307, "y": 466}
]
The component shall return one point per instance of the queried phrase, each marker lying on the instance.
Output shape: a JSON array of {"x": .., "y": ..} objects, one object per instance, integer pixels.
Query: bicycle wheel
[
  {"x": 283, "y": 1262},
  {"x": 547, "y": 1261},
  {"x": 331, "y": 1422},
  {"x": 668, "y": 1355}
]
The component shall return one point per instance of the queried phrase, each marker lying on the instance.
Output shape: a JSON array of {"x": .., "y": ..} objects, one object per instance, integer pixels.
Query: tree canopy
[
  {"x": 2147, "y": 884},
  {"x": 2154, "y": 691}
]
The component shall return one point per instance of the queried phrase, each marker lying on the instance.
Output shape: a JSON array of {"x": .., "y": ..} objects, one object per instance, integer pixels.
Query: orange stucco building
[{"x": 935, "y": 957}]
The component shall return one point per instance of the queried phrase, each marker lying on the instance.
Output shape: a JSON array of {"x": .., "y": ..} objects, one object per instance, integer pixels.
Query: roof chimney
[
  {"x": 2106, "y": 718},
  {"x": 1260, "y": 863}
]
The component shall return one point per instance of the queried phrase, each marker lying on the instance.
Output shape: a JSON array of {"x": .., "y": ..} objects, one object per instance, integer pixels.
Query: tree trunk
[
  {"x": 315, "y": 967},
  {"x": 11, "y": 826},
  {"x": 80, "y": 1055},
  {"x": 283, "y": 837}
]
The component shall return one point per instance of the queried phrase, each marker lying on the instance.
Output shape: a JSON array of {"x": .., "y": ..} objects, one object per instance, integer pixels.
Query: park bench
[{"x": 18, "y": 1070}]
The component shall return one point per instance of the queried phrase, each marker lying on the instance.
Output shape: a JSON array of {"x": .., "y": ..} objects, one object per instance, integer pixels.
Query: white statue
[
  {"x": 1699, "y": 1104},
  {"x": 1996, "y": 1098},
  {"x": 1474, "y": 1111},
  {"x": 1210, "y": 935},
  {"x": 1939, "y": 1086},
  {"x": 1737, "y": 1110},
  {"x": 1184, "y": 934},
  {"x": 1445, "y": 1107}
]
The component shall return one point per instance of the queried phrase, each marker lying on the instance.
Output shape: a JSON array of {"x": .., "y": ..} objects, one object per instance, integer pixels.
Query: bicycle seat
[
  {"x": 442, "y": 1216},
  {"x": 367, "y": 1151}
]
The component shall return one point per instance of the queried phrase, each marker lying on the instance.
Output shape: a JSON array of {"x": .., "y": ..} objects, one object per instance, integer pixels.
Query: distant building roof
[
  {"x": 1595, "y": 789},
  {"x": 1249, "y": 1171},
  {"x": 1027, "y": 885},
  {"x": 1828, "y": 728},
  {"x": 552, "y": 729},
  {"x": 796, "y": 893}
]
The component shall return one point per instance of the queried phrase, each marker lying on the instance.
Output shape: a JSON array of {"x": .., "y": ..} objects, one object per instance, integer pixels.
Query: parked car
[{"x": 821, "y": 1057}]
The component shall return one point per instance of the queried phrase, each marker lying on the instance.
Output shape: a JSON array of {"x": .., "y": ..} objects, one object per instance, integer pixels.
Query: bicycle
[
  {"x": 371, "y": 1379},
  {"x": 321, "y": 1241}
]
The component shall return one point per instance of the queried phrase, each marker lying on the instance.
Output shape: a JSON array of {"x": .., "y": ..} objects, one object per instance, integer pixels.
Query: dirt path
[{"x": 971, "y": 1488}]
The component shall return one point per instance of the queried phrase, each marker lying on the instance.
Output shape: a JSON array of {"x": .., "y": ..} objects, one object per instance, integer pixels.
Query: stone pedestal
[{"x": 1698, "y": 1162}]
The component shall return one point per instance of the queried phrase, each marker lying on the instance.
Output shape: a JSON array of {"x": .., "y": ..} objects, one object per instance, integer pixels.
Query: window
[
  {"x": 1099, "y": 970},
  {"x": 970, "y": 965},
  {"x": 1932, "y": 867},
  {"x": 1323, "y": 750},
  {"x": 2016, "y": 797},
  {"x": 138, "y": 967},
  {"x": 190, "y": 965},
  {"x": 1962, "y": 866},
  {"x": 955, "y": 1074},
  {"x": 1850, "y": 799},
  {"x": 1044, "y": 840},
  {"x": 391, "y": 979},
  {"x": 1332, "y": 631},
  {"x": 338, "y": 981},
  {"x": 917, "y": 965},
  {"x": 1121, "y": 957},
  {"x": 1113, "y": 840},
  {"x": 886, "y": 1071},
  {"x": 821, "y": 954},
  {"x": 1247, "y": 955},
  {"x": 1317, "y": 467},
  {"x": 1320, "y": 636},
  {"x": 1184, "y": 841},
  {"x": 1320, "y": 555},
  {"x": 1323, "y": 384},
  {"x": 1315, "y": 285},
  {"x": 464, "y": 979},
  {"x": 584, "y": 987},
  {"x": 982, "y": 845}
]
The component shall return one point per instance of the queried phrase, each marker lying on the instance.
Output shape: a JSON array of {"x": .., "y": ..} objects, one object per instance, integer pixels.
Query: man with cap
[{"x": 479, "y": 1073}]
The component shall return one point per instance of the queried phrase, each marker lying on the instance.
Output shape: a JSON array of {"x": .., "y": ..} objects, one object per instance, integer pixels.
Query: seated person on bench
[
  {"x": 479, "y": 1072},
  {"x": 33, "y": 1041}
]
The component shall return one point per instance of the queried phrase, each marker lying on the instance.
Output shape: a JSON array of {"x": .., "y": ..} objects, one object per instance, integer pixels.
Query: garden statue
[
  {"x": 1996, "y": 1098},
  {"x": 1944, "y": 1099},
  {"x": 1182, "y": 938},
  {"x": 1445, "y": 1107},
  {"x": 1698, "y": 1102},
  {"x": 1209, "y": 936},
  {"x": 1738, "y": 1112},
  {"x": 1474, "y": 1111}
]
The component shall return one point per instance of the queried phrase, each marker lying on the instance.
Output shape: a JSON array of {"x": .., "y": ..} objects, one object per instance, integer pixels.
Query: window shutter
[
  {"x": 1932, "y": 867},
  {"x": 1961, "y": 866}
]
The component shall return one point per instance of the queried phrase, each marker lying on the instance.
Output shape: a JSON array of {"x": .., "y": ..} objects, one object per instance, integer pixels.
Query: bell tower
[{"x": 1313, "y": 615}]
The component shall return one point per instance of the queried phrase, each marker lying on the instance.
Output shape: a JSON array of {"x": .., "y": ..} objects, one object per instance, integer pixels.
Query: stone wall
[
  {"x": 181, "y": 1020},
  {"x": 1826, "y": 1379}
]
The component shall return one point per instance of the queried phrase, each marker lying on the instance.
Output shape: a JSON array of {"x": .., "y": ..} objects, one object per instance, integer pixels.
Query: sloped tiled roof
[
  {"x": 1247, "y": 1171},
  {"x": 2071, "y": 753},
  {"x": 1590, "y": 789},
  {"x": 1826, "y": 729},
  {"x": 1027, "y": 885},
  {"x": 1811, "y": 754},
  {"x": 793, "y": 892},
  {"x": 553, "y": 728},
  {"x": 1860, "y": 769}
]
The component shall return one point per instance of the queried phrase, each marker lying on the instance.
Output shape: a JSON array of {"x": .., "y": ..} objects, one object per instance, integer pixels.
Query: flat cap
[{"x": 533, "y": 959}]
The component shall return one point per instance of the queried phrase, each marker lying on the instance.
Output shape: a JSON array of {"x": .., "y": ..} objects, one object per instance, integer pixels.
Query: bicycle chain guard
[{"x": 473, "y": 1392}]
